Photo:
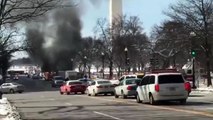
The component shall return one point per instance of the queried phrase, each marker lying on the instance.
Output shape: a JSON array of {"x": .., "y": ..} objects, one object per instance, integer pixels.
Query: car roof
[
  {"x": 57, "y": 76},
  {"x": 163, "y": 74},
  {"x": 101, "y": 80},
  {"x": 130, "y": 75},
  {"x": 73, "y": 81},
  {"x": 133, "y": 79}
]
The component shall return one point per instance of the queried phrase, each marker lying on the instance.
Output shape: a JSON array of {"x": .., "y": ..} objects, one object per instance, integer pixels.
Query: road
[{"x": 48, "y": 104}]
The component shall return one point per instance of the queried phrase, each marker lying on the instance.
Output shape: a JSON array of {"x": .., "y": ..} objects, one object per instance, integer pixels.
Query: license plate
[{"x": 172, "y": 88}]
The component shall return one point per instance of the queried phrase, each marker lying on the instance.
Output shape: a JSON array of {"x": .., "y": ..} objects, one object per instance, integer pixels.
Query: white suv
[{"x": 163, "y": 87}]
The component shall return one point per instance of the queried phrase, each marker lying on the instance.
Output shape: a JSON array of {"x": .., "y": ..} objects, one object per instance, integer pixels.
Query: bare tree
[
  {"x": 13, "y": 12},
  {"x": 125, "y": 32},
  {"x": 197, "y": 16},
  {"x": 172, "y": 40}
]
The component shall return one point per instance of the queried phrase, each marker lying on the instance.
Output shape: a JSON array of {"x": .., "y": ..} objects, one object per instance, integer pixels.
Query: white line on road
[
  {"x": 106, "y": 115},
  {"x": 51, "y": 99},
  {"x": 158, "y": 107},
  {"x": 68, "y": 104}
]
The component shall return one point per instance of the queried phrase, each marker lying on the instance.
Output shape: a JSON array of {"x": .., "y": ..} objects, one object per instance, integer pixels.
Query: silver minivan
[{"x": 156, "y": 87}]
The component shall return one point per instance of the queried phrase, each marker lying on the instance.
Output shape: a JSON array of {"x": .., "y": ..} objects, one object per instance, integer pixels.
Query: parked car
[
  {"x": 36, "y": 77},
  {"x": 16, "y": 77},
  {"x": 163, "y": 86},
  {"x": 86, "y": 81},
  {"x": 72, "y": 86},
  {"x": 100, "y": 87},
  {"x": 127, "y": 77},
  {"x": 11, "y": 88},
  {"x": 127, "y": 88},
  {"x": 57, "y": 81}
]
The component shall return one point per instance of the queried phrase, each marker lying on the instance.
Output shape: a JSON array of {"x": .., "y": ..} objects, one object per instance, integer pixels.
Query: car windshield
[
  {"x": 169, "y": 79},
  {"x": 59, "y": 81},
  {"x": 74, "y": 83},
  {"x": 140, "y": 76},
  {"x": 132, "y": 81},
  {"x": 127, "y": 77},
  {"x": 103, "y": 82},
  {"x": 15, "y": 84},
  {"x": 58, "y": 78}
]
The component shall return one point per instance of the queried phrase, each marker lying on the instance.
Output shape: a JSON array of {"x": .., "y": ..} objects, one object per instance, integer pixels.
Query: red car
[{"x": 73, "y": 86}]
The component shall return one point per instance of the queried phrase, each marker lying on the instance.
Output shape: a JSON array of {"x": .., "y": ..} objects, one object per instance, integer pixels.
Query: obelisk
[{"x": 115, "y": 10}]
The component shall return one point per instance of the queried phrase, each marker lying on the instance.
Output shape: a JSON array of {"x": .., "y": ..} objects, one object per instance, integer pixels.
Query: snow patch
[{"x": 8, "y": 110}]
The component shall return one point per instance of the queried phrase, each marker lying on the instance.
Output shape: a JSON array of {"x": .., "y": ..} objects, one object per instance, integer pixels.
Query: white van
[{"x": 163, "y": 87}]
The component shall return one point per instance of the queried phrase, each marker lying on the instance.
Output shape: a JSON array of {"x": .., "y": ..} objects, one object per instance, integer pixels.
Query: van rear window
[{"x": 167, "y": 79}]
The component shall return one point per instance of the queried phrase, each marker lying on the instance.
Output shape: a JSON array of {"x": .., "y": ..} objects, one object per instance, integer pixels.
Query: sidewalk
[
  {"x": 7, "y": 111},
  {"x": 203, "y": 88}
]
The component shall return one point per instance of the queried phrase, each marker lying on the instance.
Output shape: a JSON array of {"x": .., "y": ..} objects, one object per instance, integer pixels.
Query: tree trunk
[
  {"x": 209, "y": 82},
  {"x": 110, "y": 69},
  {"x": 4, "y": 74},
  {"x": 89, "y": 67},
  {"x": 119, "y": 71}
]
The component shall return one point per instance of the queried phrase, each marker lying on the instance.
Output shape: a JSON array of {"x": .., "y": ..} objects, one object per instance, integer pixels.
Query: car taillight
[
  {"x": 187, "y": 86},
  {"x": 99, "y": 86},
  {"x": 129, "y": 88},
  {"x": 157, "y": 88}
]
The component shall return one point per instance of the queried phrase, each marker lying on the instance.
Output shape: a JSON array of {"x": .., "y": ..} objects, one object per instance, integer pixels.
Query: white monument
[{"x": 115, "y": 10}]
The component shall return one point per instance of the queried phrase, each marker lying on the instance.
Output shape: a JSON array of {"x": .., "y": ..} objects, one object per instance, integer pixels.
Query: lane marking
[
  {"x": 106, "y": 115},
  {"x": 69, "y": 104},
  {"x": 157, "y": 107},
  {"x": 51, "y": 99}
]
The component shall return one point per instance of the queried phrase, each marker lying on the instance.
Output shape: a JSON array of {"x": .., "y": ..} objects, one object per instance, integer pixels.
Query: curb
[
  {"x": 10, "y": 111},
  {"x": 202, "y": 90}
]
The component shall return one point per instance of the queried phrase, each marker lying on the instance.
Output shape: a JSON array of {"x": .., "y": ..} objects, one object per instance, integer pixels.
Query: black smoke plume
[{"x": 55, "y": 39}]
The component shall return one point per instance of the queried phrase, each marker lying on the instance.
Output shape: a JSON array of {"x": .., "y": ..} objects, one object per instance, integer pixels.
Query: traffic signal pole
[{"x": 193, "y": 73}]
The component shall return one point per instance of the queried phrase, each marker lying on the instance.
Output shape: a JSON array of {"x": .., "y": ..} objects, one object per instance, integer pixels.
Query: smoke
[
  {"x": 55, "y": 39},
  {"x": 96, "y": 3}
]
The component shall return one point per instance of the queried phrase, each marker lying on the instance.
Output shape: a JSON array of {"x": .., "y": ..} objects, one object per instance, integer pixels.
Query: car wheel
[
  {"x": 20, "y": 91},
  {"x": 151, "y": 100},
  {"x": 116, "y": 96},
  {"x": 87, "y": 91},
  {"x": 138, "y": 99},
  {"x": 61, "y": 92},
  {"x": 94, "y": 93},
  {"x": 183, "y": 102},
  {"x": 12, "y": 91},
  {"x": 67, "y": 92},
  {"x": 123, "y": 95}
]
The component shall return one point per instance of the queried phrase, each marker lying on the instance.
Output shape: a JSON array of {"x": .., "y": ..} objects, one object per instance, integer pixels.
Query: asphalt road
[{"x": 48, "y": 104}]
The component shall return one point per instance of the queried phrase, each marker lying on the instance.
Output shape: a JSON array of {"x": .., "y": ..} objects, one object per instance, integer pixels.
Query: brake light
[
  {"x": 129, "y": 88},
  {"x": 99, "y": 86},
  {"x": 157, "y": 88},
  {"x": 187, "y": 86}
]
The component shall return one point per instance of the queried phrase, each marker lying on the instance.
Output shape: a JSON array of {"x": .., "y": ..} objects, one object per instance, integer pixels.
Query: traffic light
[{"x": 193, "y": 53}]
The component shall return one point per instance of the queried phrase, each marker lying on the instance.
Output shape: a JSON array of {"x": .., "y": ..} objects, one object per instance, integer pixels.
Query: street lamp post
[
  {"x": 85, "y": 64},
  {"x": 192, "y": 35},
  {"x": 103, "y": 57},
  {"x": 126, "y": 58},
  {"x": 71, "y": 63}
]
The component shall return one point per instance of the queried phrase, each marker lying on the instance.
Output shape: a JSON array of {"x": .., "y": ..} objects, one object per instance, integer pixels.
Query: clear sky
[{"x": 149, "y": 12}]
